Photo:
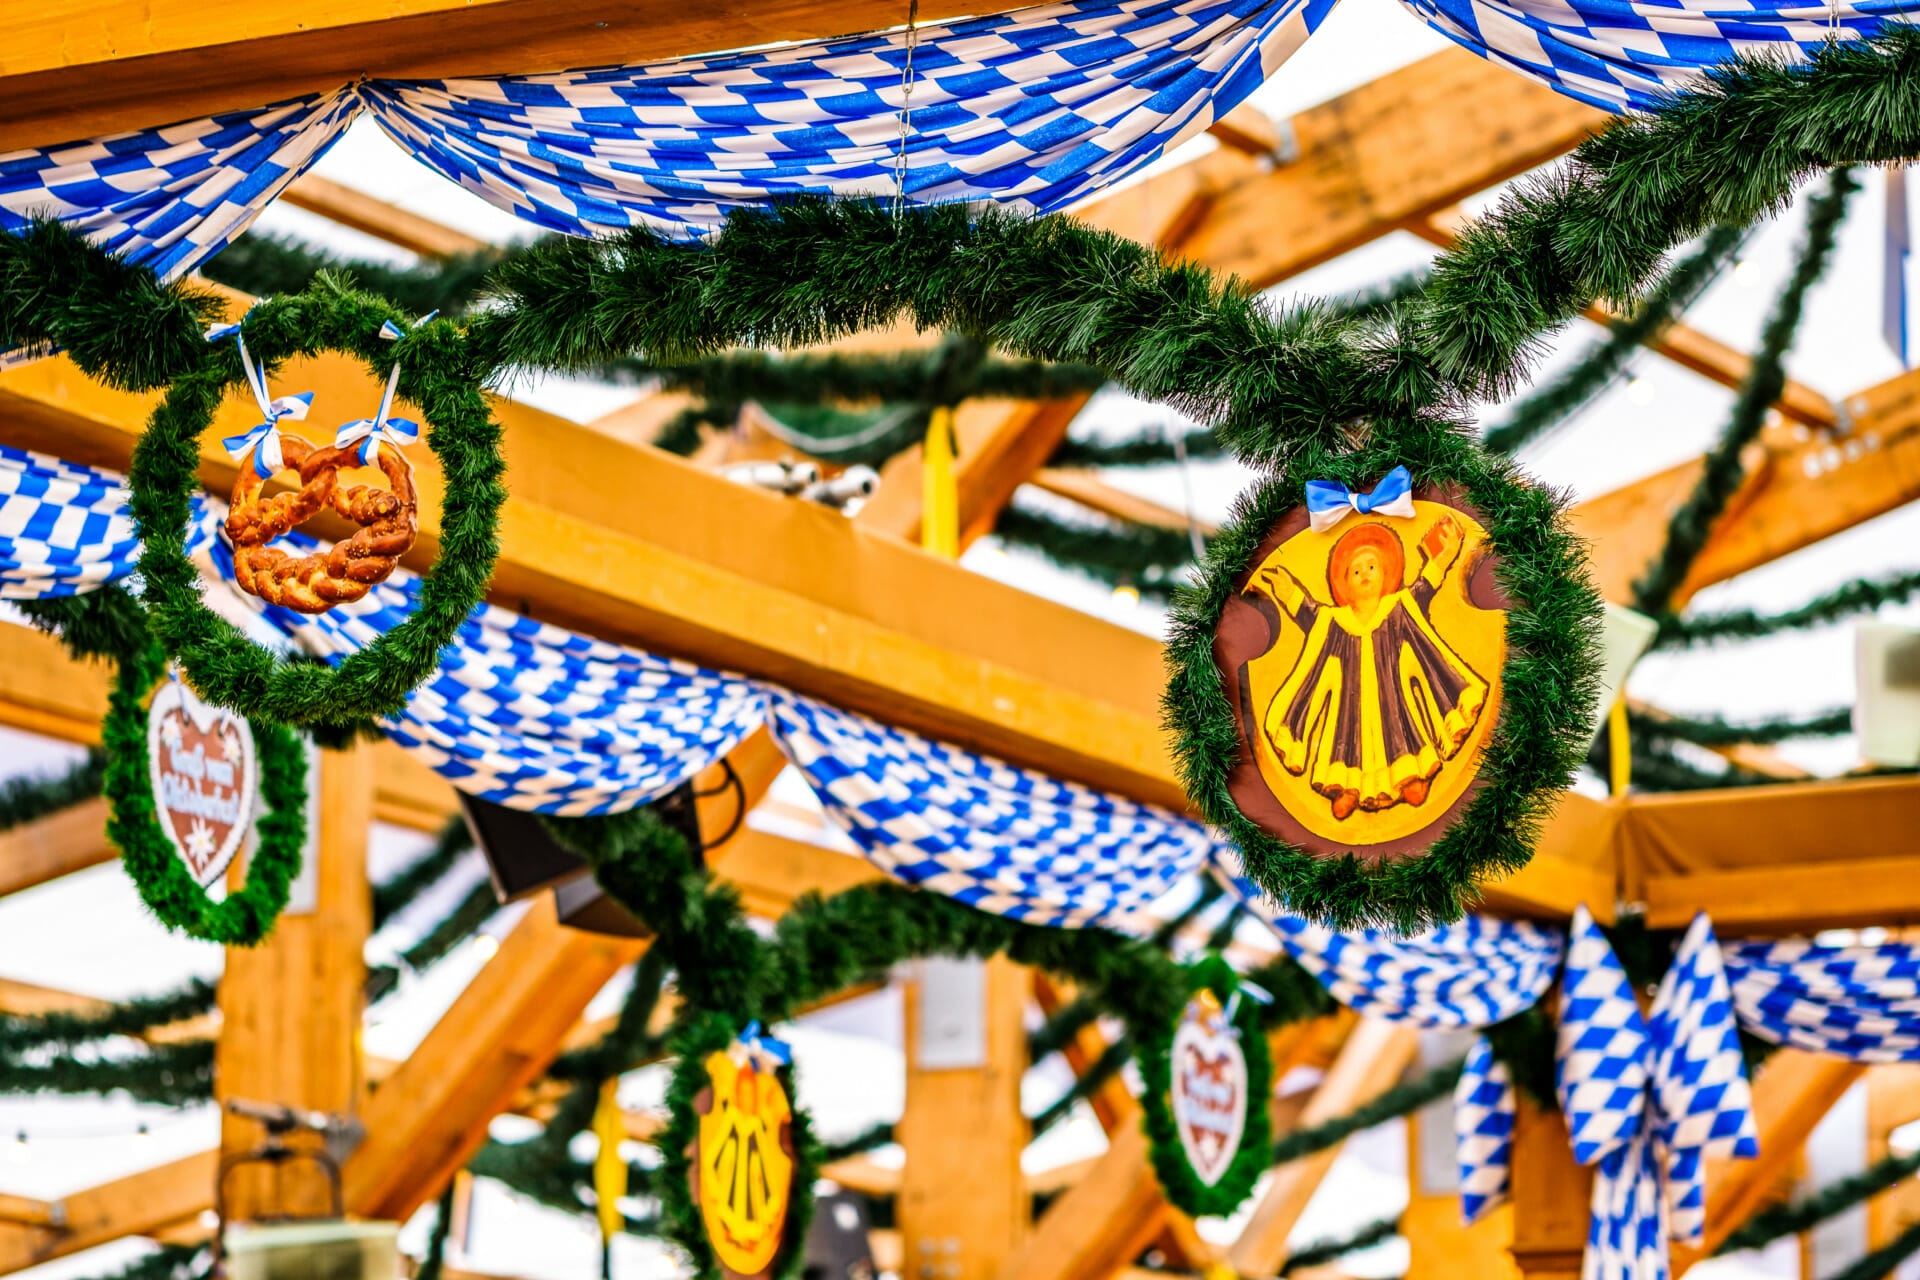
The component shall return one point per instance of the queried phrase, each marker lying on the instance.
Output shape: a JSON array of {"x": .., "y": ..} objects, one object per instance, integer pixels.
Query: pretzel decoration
[{"x": 388, "y": 518}]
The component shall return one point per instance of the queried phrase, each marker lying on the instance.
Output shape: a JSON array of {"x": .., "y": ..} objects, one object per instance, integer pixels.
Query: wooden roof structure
[{"x": 679, "y": 560}]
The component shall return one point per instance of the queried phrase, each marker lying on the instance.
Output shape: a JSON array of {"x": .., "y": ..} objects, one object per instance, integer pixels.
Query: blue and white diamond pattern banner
[
  {"x": 1004, "y": 839},
  {"x": 1471, "y": 974},
  {"x": 1858, "y": 1002},
  {"x": 1625, "y": 55},
  {"x": 171, "y": 198},
  {"x": 1038, "y": 107},
  {"x": 1648, "y": 1100},
  {"x": 64, "y": 529},
  {"x": 1483, "y": 1117}
]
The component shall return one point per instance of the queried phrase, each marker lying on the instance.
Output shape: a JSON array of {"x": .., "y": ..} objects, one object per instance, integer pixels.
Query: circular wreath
[
  {"x": 703, "y": 1034},
  {"x": 1184, "y": 1187},
  {"x": 1549, "y": 677},
  {"x": 225, "y": 666},
  {"x": 247, "y": 915}
]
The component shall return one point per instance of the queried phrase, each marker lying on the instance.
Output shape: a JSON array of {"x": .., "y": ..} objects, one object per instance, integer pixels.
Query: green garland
[
  {"x": 1321, "y": 1252},
  {"x": 1112, "y": 1061},
  {"x": 105, "y": 623},
  {"x": 1402, "y": 1099},
  {"x": 173, "y": 1075},
  {"x": 20, "y": 1032},
  {"x": 1549, "y": 682},
  {"x": 24, "y": 800},
  {"x": 435, "y": 1258},
  {"x": 1184, "y": 1187},
  {"x": 435, "y": 373},
  {"x": 1150, "y": 557},
  {"x": 1837, "y": 1197},
  {"x": 1716, "y": 732},
  {"x": 395, "y": 894},
  {"x": 1766, "y": 378},
  {"x": 1861, "y": 595},
  {"x": 1151, "y": 448},
  {"x": 1882, "y": 1262},
  {"x": 264, "y": 265},
  {"x": 168, "y": 1262},
  {"x": 1568, "y": 393}
]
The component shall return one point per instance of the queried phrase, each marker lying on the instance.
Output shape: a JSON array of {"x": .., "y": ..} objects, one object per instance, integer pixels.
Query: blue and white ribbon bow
[
  {"x": 1647, "y": 1100},
  {"x": 370, "y": 432},
  {"x": 1329, "y": 502},
  {"x": 763, "y": 1051},
  {"x": 263, "y": 438}
]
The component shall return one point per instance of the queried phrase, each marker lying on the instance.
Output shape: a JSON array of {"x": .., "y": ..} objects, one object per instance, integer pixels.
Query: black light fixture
[
  {"x": 522, "y": 856},
  {"x": 837, "y": 1247}
]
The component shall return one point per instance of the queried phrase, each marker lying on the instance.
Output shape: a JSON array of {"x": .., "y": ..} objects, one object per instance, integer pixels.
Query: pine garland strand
[
  {"x": 1707, "y": 731},
  {"x": 1321, "y": 1252},
  {"x": 1766, "y": 378},
  {"x": 1837, "y": 1197},
  {"x": 1398, "y": 1101},
  {"x": 1861, "y": 595}
]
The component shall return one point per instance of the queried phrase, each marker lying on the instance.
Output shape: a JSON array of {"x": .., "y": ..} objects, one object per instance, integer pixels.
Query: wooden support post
[
  {"x": 1372, "y": 1060},
  {"x": 963, "y": 1202},
  {"x": 290, "y": 1008},
  {"x": 1551, "y": 1197},
  {"x": 1440, "y": 1245}
]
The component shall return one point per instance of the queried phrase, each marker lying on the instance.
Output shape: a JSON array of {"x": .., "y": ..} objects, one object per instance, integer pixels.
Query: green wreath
[
  {"x": 109, "y": 624},
  {"x": 225, "y": 666},
  {"x": 1546, "y": 710},
  {"x": 706, "y": 1033},
  {"x": 1184, "y": 1187}
]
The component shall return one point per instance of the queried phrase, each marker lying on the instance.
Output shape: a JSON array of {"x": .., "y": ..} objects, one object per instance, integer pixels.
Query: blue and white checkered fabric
[
  {"x": 1648, "y": 1100},
  {"x": 171, "y": 198},
  {"x": 1006, "y": 840},
  {"x": 1471, "y": 974},
  {"x": 1857, "y": 1002},
  {"x": 1483, "y": 1116},
  {"x": 534, "y": 716},
  {"x": 64, "y": 529},
  {"x": 1623, "y": 55},
  {"x": 1040, "y": 107}
]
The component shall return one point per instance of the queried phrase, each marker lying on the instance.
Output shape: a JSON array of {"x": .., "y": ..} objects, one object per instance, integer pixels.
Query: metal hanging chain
[{"x": 906, "y": 110}]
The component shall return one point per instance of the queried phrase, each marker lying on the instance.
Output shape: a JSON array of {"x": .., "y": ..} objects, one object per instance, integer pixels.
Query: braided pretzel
[{"x": 313, "y": 583}]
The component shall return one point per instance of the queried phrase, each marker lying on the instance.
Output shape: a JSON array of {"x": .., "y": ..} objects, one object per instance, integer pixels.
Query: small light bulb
[
  {"x": 485, "y": 945},
  {"x": 1745, "y": 273},
  {"x": 1641, "y": 390},
  {"x": 143, "y": 1135},
  {"x": 18, "y": 1153},
  {"x": 1126, "y": 595}
]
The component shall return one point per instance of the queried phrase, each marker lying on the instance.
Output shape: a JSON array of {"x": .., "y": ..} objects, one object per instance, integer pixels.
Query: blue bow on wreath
[
  {"x": 765, "y": 1052},
  {"x": 382, "y": 426},
  {"x": 262, "y": 439},
  {"x": 1329, "y": 502}
]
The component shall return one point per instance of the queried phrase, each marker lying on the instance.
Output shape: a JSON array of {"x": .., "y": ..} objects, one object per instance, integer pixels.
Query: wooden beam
[
  {"x": 1791, "y": 1094},
  {"x": 1681, "y": 343},
  {"x": 291, "y": 1007},
  {"x": 1775, "y": 859},
  {"x": 1551, "y": 1196},
  {"x": 1798, "y": 493},
  {"x": 1095, "y": 494},
  {"x": 636, "y": 546},
  {"x": 75, "y": 69},
  {"x": 1412, "y": 142},
  {"x": 134, "y": 1205},
  {"x": 1373, "y": 1059},
  {"x": 963, "y": 1206},
  {"x": 364, "y": 213},
  {"x": 59, "y": 844},
  {"x": 1103, "y": 1223}
]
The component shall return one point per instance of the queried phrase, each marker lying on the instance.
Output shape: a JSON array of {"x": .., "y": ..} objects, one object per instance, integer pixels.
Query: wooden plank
[
  {"x": 1811, "y": 489},
  {"x": 963, "y": 1206},
  {"x": 59, "y": 844},
  {"x": 339, "y": 203},
  {"x": 1373, "y": 1059},
  {"x": 76, "y": 69},
  {"x": 291, "y": 1007},
  {"x": 1090, "y": 491},
  {"x": 1776, "y": 859},
  {"x": 1791, "y": 1094},
  {"x": 1551, "y": 1196},
  {"x": 1411, "y": 142},
  {"x": 134, "y": 1205}
]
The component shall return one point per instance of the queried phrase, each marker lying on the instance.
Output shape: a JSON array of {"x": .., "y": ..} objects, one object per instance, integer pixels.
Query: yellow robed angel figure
[{"x": 1378, "y": 700}]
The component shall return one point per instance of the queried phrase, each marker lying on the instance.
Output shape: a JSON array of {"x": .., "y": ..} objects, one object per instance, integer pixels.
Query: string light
[
  {"x": 485, "y": 945},
  {"x": 18, "y": 1153},
  {"x": 1126, "y": 595},
  {"x": 1641, "y": 390},
  {"x": 1745, "y": 273}
]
